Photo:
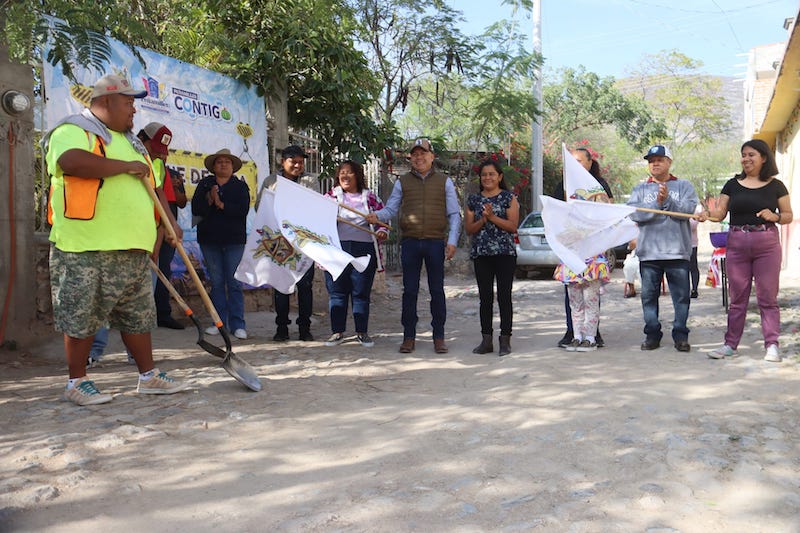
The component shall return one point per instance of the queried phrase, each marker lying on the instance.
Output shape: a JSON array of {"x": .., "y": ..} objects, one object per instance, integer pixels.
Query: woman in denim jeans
[
  {"x": 351, "y": 190},
  {"x": 756, "y": 201},
  {"x": 223, "y": 200}
]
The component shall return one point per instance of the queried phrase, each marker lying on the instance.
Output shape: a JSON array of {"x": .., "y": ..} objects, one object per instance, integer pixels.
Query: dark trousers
[
  {"x": 305, "y": 302},
  {"x": 413, "y": 253},
  {"x": 694, "y": 270},
  {"x": 487, "y": 269},
  {"x": 161, "y": 295}
]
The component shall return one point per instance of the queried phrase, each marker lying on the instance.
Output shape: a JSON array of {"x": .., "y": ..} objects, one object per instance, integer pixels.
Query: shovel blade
[{"x": 241, "y": 371}]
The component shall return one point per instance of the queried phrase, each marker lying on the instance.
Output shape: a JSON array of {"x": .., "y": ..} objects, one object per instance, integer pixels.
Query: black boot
[
  {"x": 485, "y": 346},
  {"x": 566, "y": 339},
  {"x": 505, "y": 345},
  {"x": 282, "y": 335},
  {"x": 305, "y": 334}
]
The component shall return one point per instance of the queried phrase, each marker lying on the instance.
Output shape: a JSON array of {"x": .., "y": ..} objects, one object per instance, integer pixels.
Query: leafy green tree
[
  {"x": 482, "y": 110},
  {"x": 689, "y": 103},
  {"x": 696, "y": 114},
  {"x": 581, "y": 99},
  {"x": 300, "y": 53},
  {"x": 408, "y": 43}
]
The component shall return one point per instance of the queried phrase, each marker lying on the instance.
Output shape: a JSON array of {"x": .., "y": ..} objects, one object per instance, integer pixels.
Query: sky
[{"x": 610, "y": 37}]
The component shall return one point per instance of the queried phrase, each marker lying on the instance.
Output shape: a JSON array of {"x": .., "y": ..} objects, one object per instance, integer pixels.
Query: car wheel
[
  {"x": 521, "y": 273},
  {"x": 611, "y": 258}
]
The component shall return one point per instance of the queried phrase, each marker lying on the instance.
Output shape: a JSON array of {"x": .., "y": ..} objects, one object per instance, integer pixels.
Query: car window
[{"x": 533, "y": 220}]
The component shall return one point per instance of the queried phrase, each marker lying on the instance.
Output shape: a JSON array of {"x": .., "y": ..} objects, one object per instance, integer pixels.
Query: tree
[
  {"x": 581, "y": 99},
  {"x": 696, "y": 114},
  {"x": 406, "y": 45},
  {"x": 300, "y": 53},
  {"x": 479, "y": 110},
  {"x": 689, "y": 103}
]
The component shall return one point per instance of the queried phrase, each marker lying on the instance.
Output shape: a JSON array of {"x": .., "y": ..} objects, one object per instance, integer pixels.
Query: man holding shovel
[
  {"x": 664, "y": 245},
  {"x": 103, "y": 231}
]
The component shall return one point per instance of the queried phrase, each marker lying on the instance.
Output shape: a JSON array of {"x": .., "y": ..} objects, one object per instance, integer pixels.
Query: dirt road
[{"x": 355, "y": 439}]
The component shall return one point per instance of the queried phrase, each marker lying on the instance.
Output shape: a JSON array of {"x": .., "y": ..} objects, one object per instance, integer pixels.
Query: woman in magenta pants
[{"x": 757, "y": 201}]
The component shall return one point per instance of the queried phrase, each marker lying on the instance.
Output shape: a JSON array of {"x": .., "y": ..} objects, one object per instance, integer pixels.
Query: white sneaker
[
  {"x": 573, "y": 346},
  {"x": 240, "y": 334},
  {"x": 212, "y": 330},
  {"x": 365, "y": 340},
  {"x": 773, "y": 355},
  {"x": 722, "y": 351},
  {"x": 160, "y": 383},
  {"x": 335, "y": 339}
]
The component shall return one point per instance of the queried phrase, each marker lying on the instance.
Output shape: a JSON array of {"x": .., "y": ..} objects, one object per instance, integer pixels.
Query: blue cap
[{"x": 658, "y": 149}]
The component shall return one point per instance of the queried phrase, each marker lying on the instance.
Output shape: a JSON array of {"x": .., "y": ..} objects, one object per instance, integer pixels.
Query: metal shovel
[
  {"x": 201, "y": 341},
  {"x": 234, "y": 365}
]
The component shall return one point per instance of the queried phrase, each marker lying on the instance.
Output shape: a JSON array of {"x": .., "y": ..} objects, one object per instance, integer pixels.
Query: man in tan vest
[{"x": 430, "y": 222}]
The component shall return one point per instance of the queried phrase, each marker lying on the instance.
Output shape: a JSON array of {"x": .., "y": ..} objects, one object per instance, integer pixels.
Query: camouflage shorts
[{"x": 90, "y": 289}]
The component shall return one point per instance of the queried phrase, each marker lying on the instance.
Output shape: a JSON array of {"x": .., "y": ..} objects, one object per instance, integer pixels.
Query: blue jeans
[
  {"x": 352, "y": 284},
  {"x": 305, "y": 302},
  {"x": 226, "y": 291},
  {"x": 677, "y": 272},
  {"x": 99, "y": 343},
  {"x": 413, "y": 252}
]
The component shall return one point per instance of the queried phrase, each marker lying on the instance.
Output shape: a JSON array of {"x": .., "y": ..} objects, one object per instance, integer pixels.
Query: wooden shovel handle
[
  {"x": 175, "y": 294},
  {"x": 189, "y": 268}
]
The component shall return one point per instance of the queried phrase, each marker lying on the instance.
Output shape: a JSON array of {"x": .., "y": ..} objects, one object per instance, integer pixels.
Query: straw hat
[{"x": 210, "y": 160}]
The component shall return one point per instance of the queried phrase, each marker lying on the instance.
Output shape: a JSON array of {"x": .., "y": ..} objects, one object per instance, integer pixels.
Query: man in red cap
[{"x": 156, "y": 138}]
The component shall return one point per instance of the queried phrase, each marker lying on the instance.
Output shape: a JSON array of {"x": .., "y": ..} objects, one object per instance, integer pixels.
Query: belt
[{"x": 747, "y": 228}]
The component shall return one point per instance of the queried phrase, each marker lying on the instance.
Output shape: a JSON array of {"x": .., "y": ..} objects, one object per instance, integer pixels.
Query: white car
[{"x": 533, "y": 252}]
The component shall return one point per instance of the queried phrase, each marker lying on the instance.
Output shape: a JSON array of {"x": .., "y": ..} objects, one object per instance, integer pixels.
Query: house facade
[{"x": 772, "y": 113}]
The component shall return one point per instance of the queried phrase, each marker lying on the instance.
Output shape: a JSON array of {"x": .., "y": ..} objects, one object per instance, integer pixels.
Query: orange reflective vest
[{"x": 80, "y": 194}]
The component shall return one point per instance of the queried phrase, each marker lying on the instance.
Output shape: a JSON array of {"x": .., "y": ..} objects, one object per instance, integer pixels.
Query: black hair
[
  {"x": 358, "y": 170},
  {"x": 769, "y": 168},
  {"x": 594, "y": 170},
  {"x": 497, "y": 167}
]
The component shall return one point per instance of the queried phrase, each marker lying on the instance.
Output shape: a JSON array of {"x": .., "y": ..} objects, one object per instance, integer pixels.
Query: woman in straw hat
[{"x": 222, "y": 201}]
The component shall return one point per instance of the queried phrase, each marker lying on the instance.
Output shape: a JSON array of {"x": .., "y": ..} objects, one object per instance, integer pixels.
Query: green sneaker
[
  {"x": 85, "y": 393},
  {"x": 160, "y": 383},
  {"x": 721, "y": 352}
]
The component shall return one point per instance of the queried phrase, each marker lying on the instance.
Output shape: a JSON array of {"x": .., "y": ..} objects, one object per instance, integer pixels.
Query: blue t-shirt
[{"x": 491, "y": 240}]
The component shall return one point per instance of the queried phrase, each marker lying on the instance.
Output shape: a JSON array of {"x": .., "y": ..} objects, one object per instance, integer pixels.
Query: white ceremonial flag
[
  {"x": 579, "y": 230},
  {"x": 270, "y": 259},
  {"x": 579, "y": 184},
  {"x": 308, "y": 221}
]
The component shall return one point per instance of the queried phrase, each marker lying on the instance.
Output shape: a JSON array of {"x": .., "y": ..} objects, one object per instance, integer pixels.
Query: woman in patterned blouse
[{"x": 491, "y": 218}]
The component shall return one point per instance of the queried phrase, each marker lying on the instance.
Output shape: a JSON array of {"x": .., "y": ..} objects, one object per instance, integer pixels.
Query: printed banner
[
  {"x": 269, "y": 258},
  {"x": 308, "y": 221},
  {"x": 578, "y": 230}
]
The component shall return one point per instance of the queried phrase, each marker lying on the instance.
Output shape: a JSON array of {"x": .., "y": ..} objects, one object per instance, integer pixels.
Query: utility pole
[{"x": 536, "y": 141}]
